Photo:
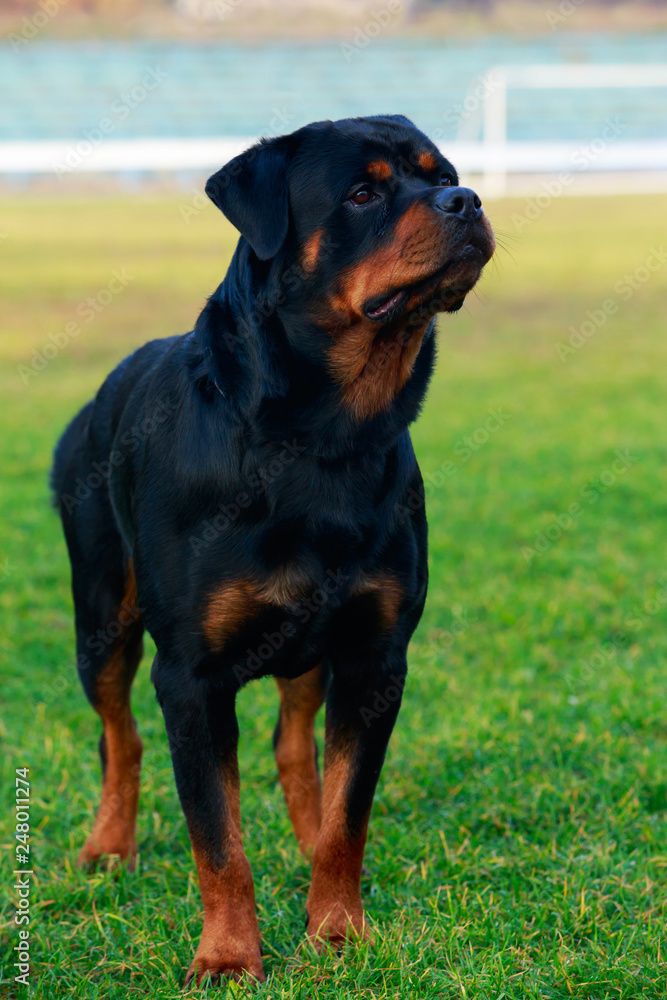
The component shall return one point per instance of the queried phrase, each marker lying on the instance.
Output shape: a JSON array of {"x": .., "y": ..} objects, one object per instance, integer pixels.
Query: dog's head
[{"x": 365, "y": 221}]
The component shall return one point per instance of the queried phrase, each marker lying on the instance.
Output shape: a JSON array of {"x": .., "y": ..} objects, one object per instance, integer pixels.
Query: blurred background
[
  {"x": 141, "y": 89},
  {"x": 519, "y": 840}
]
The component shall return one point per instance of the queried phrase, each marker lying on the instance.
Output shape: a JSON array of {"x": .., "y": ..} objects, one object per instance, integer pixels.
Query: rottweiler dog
[{"x": 248, "y": 492}]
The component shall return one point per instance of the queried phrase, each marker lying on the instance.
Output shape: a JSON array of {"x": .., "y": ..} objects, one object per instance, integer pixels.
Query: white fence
[
  {"x": 494, "y": 157},
  {"x": 497, "y": 157},
  {"x": 64, "y": 156}
]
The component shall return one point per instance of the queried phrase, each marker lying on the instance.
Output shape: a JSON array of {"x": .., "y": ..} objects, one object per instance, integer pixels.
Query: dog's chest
[
  {"x": 283, "y": 623},
  {"x": 303, "y": 577}
]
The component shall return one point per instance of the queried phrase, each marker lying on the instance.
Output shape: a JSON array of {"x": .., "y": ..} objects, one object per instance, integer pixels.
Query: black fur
[{"x": 227, "y": 454}]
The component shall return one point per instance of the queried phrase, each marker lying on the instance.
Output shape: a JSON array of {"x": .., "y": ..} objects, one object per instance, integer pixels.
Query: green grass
[{"x": 518, "y": 844}]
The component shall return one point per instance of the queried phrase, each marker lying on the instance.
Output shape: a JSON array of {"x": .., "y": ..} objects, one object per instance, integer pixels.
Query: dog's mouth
[
  {"x": 441, "y": 294},
  {"x": 385, "y": 308}
]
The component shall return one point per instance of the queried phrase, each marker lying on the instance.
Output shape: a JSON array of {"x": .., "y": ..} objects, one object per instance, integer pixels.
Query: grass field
[{"x": 518, "y": 843}]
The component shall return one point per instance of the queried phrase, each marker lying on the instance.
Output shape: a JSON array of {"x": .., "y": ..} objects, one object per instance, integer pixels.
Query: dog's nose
[{"x": 459, "y": 201}]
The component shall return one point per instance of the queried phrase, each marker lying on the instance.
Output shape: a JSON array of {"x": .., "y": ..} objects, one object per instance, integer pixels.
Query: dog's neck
[{"x": 246, "y": 333}]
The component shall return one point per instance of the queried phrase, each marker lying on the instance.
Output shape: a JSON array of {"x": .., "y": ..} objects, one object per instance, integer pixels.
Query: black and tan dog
[{"x": 241, "y": 492}]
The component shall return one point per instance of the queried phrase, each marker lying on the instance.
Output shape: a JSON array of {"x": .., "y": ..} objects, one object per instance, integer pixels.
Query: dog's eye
[
  {"x": 362, "y": 196},
  {"x": 445, "y": 181}
]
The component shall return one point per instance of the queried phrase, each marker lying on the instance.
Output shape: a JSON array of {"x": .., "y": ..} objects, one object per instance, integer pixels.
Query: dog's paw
[
  {"x": 96, "y": 854},
  {"x": 211, "y": 970},
  {"x": 337, "y": 927}
]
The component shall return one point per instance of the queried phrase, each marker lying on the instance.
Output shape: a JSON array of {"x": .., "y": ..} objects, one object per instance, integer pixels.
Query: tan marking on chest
[
  {"x": 235, "y": 602},
  {"x": 372, "y": 373}
]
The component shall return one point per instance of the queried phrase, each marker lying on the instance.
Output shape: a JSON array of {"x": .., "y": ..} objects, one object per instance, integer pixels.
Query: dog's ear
[{"x": 251, "y": 190}]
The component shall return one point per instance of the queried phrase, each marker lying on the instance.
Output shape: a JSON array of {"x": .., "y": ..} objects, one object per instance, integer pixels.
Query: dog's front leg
[
  {"x": 362, "y": 705},
  {"x": 203, "y": 736}
]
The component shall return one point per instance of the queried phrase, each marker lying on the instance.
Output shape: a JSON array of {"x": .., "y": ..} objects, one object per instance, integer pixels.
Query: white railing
[
  {"x": 501, "y": 157},
  {"x": 493, "y": 156},
  {"x": 64, "y": 156}
]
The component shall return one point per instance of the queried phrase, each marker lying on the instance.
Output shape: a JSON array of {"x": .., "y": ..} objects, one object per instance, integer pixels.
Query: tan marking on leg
[
  {"x": 300, "y": 700},
  {"x": 379, "y": 170},
  {"x": 114, "y": 830},
  {"x": 230, "y": 943},
  {"x": 335, "y": 910}
]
